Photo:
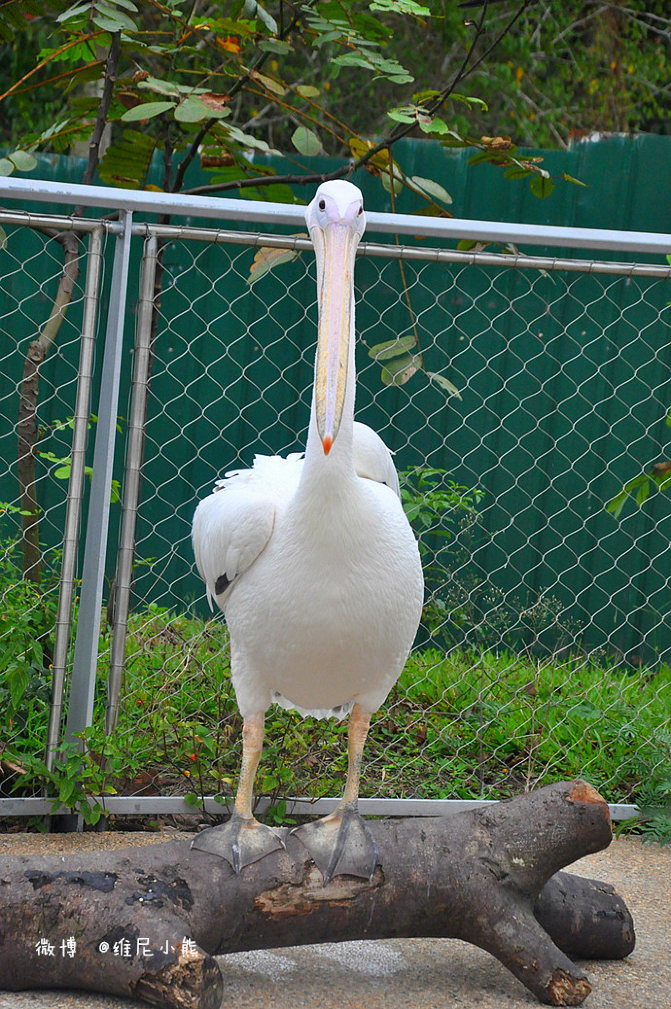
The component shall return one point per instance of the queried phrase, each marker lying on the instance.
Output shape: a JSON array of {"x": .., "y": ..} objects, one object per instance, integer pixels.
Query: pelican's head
[{"x": 336, "y": 222}]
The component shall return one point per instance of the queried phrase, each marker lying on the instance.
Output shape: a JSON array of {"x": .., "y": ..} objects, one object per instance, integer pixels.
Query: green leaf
[
  {"x": 249, "y": 140},
  {"x": 74, "y": 12},
  {"x": 126, "y": 162},
  {"x": 662, "y": 480},
  {"x": 83, "y": 51},
  {"x": 326, "y": 37},
  {"x": 643, "y": 493},
  {"x": 274, "y": 193},
  {"x": 227, "y": 26},
  {"x": 353, "y": 60},
  {"x": 392, "y": 348},
  {"x": 275, "y": 87},
  {"x": 91, "y": 814},
  {"x": 17, "y": 677},
  {"x": 307, "y": 91},
  {"x": 275, "y": 46},
  {"x": 266, "y": 258},
  {"x": 576, "y": 182},
  {"x": 6, "y": 166},
  {"x": 636, "y": 482},
  {"x": 110, "y": 13},
  {"x": 444, "y": 383},
  {"x": 386, "y": 181},
  {"x": 160, "y": 87},
  {"x": 23, "y": 160},
  {"x": 434, "y": 126},
  {"x": 470, "y": 101},
  {"x": 517, "y": 172},
  {"x": 146, "y": 111},
  {"x": 306, "y": 142},
  {"x": 541, "y": 186},
  {"x": 431, "y": 188},
  {"x": 400, "y": 369},
  {"x": 192, "y": 799},
  {"x": 66, "y": 791},
  {"x": 403, "y": 114},
  {"x": 191, "y": 110},
  {"x": 482, "y": 156},
  {"x": 252, "y": 9},
  {"x": 120, "y": 22},
  {"x": 455, "y": 141},
  {"x": 424, "y": 96},
  {"x": 616, "y": 504},
  {"x": 400, "y": 7}
]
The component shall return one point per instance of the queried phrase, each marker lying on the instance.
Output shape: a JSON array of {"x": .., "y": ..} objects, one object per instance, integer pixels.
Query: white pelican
[{"x": 316, "y": 569}]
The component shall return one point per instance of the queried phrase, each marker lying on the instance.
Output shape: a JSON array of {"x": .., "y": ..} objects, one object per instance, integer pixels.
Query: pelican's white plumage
[
  {"x": 312, "y": 559},
  {"x": 232, "y": 526},
  {"x": 293, "y": 651}
]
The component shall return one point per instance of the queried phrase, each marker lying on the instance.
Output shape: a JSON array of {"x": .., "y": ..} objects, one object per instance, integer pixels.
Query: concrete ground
[{"x": 412, "y": 973}]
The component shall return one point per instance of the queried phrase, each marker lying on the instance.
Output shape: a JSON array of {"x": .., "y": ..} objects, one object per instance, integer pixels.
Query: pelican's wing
[
  {"x": 232, "y": 526},
  {"x": 372, "y": 458}
]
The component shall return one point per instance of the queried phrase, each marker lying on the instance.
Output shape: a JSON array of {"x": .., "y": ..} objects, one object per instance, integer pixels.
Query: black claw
[{"x": 235, "y": 851}]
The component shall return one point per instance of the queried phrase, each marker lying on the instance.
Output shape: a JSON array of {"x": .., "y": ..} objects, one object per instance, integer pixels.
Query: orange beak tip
[{"x": 328, "y": 441}]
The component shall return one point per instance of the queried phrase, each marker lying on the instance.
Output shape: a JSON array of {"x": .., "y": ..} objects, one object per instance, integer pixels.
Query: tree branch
[
  {"x": 69, "y": 45},
  {"x": 28, "y": 399},
  {"x": 40, "y": 347},
  {"x": 233, "y": 91},
  {"x": 271, "y": 180},
  {"x": 400, "y": 131},
  {"x": 487, "y": 876},
  {"x": 111, "y": 68}
]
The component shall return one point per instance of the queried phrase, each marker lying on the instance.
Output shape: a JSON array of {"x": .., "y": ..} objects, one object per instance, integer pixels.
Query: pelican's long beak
[{"x": 335, "y": 248}]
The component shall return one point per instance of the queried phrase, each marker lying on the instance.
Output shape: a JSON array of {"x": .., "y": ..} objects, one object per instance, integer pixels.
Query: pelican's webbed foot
[
  {"x": 340, "y": 844},
  {"x": 241, "y": 841}
]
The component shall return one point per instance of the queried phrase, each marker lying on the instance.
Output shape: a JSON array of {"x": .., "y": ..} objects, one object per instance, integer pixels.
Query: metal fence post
[
  {"x": 131, "y": 492},
  {"x": 75, "y": 491},
  {"x": 82, "y": 687}
]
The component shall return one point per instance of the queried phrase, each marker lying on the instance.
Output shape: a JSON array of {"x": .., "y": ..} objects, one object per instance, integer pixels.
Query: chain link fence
[{"x": 523, "y": 396}]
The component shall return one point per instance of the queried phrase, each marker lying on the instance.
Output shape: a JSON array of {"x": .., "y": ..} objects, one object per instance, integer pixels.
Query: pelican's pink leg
[
  {"x": 340, "y": 843},
  {"x": 243, "y": 839}
]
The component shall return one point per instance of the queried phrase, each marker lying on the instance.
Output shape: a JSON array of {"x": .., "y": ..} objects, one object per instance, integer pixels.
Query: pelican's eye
[
  {"x": 322, "y": 204},
  {"x": 360, "y": 211}
]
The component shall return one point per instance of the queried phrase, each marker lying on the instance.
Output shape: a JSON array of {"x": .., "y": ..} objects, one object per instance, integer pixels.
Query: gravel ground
[{"x": 415, "y": 973}]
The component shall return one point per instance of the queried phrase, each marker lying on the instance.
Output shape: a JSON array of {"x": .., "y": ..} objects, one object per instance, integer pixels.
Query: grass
[{"x": 457, "y": 725}]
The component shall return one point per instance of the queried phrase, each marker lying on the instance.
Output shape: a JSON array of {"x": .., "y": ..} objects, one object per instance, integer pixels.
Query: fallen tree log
[{"x": 145, "y": 922}]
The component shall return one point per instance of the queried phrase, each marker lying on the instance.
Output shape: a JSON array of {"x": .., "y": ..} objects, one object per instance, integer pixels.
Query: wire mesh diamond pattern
[{"x": 529, "y": 398}]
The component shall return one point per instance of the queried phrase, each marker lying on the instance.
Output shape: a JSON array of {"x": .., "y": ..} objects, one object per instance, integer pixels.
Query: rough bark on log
[{"x": 488, "y": 876}]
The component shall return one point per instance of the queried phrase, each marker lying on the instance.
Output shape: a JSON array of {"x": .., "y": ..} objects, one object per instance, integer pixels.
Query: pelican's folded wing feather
[
  {"x": 372, "y": 458},
  {"x": 232, "y": 525}
]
